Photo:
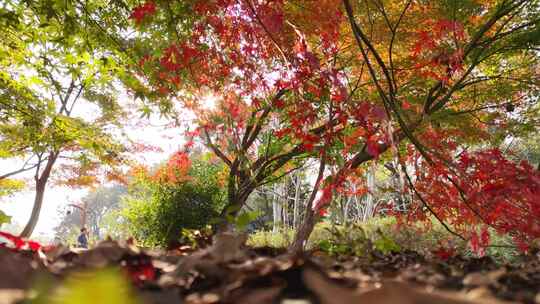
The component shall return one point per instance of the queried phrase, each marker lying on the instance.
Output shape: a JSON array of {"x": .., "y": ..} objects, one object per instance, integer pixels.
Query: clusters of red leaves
[
  {"x": 438, "y": 51},
  {"x": 479, "y": 242},
  {"x": 346, "y": 182},
  {"x": 11, "y": 241},
  {"x": 444, "y": 253},
  {"x": 140, "y": 12},
  {"x": 477, "y": 190},
  {"x": 176, "y": 170},
  {"x": 240, "y": 65},
  {"x": 241, "y": 68},
  {"x": 139, "y": 269}
]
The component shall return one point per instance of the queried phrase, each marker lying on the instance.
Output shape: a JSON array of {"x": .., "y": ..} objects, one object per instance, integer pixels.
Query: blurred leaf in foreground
[{"x": 103, "y": 286}]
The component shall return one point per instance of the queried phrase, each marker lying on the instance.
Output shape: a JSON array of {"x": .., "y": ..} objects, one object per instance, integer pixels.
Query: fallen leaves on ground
[{"x": 228, "y": 272}]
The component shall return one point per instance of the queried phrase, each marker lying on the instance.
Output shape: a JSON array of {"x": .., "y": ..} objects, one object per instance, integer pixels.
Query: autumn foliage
[
  {"x": 7, "y": 240},
  {"x": 481, "y": 189},
  {"x": 349, "y": 83}
]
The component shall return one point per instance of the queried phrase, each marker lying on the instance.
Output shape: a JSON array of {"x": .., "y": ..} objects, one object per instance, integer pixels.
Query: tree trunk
[
  {"x": 303, "y": 232},
  {"x": 369, "y": 202},
  {"x": 308, "y": 223},
  {"x": 34, "y": 216},
  {"x": 296, "y": 201},
  {"x": 274, "y": 211},
  {"x": 41, "y": 184},
  {"x": 276, "y": 208},
  {"x": 358, "y": 205},
  {"x": 84, "y": 214},
  {"x": 235, "y": 202},
  {"x": 285, "y": 205},
  {"x": 346, "y": 218}
]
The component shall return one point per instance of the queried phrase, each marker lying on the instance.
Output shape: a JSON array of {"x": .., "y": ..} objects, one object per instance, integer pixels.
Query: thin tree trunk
[
  {"x": 308, "y": 222},
  {"x": 279, "y": 206},
  {"x": 276, "y": 208},
  {"x": 285, "y": 206},
  {"x": 41, "y": 184},
  {"x": 369, "y": 202},
  {"x": 84, "y": 214},
  {"x": 358, "y": 204},
  {"x": 36, "y": 209},
  {"x": 236, "y": 200},
  {"x": 304, "y": 231},
  {"x": 296, "y": 201},
  {"x": 346, "y": 210}
]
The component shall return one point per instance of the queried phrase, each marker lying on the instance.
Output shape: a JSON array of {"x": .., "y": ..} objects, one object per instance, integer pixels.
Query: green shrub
[
  {"x": 263, "y": 238},
  {"x": 157, "y": 211},
  {"x": 382, "y": 234}
]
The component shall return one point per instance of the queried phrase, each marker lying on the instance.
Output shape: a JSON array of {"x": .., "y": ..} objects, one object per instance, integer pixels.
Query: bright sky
[{"x": 20, "y": 205}]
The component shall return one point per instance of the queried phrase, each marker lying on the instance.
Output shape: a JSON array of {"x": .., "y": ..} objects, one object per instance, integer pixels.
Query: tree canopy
[
  {"x": 435, "y": 86},
  {"x": 58, "y": 99},
  {"x": 347, "y": 81}
]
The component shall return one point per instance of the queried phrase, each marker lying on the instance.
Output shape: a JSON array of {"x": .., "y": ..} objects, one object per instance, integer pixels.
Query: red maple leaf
[
  {"x": 17, "y": 243},
  {"x": 142, "y": 11}
]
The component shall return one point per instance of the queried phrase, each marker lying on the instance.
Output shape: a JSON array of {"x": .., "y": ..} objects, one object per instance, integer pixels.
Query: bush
[
  {"x": 158, "y": 210},
  {"x": 383, "y": 234}
]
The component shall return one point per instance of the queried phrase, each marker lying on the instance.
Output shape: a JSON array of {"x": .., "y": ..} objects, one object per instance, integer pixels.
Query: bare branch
[
  {"x": 23, "y": 169},
  {"x": 215, "y": 149}
]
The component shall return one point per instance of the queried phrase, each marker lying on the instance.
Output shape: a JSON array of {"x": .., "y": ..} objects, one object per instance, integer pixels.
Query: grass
[{"x": 383, "y": 231}]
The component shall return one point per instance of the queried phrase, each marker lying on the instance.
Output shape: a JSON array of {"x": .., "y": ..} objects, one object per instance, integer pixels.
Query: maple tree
[
  {"x": 335, "y": 80},
  {"x": 58, "y": 108},
  {"x": 249, "y": 97}
]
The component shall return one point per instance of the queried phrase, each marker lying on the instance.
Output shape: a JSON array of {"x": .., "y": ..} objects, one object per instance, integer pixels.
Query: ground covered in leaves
[{"x": 226, "y": 272}]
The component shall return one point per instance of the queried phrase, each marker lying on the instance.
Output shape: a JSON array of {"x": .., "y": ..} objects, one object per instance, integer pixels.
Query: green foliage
[
  {"x": 114, "y": 224},
  {"x": 7, "y": 188},
  {"x": 353, "y": 240},
  {"x": 264, "y": 238},
  {"x": 196, "y": 238},
  {"x": 158, "y": 212},
  {"x": 52, "y": 55},
  {"x": 4, "y": 218},
  {"x": 59, "y": 73},
  {"x": 382, "y": 234},
  {"x": 103, "y": 286},
  {"x": 10, "y": 186},
  {"x": 343, "y": 242},
  {"x": 242, "y": 221},
  {"x": 385, "y": 244}
]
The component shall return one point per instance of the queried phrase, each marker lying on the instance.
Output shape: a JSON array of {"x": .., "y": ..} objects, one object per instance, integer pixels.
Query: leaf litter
[{"x": 229, "y": 272}]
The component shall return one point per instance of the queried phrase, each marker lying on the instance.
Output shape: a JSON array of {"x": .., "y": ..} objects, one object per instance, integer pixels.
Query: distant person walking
[{"x": 82, "y": 240}]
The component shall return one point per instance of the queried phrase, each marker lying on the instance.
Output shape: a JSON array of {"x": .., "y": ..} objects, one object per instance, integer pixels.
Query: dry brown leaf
[
  {"x": 17, "y": 269},
  {"x": 389, "y": 293},
  {"x": 12, "y": 296},
  {"x": 483, "y": 278},
  {"x": 260, "y": 296},
  {"x": 227, "y": 247},
  {"x": 104, "y": 253}
]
